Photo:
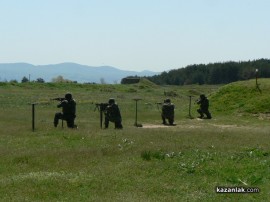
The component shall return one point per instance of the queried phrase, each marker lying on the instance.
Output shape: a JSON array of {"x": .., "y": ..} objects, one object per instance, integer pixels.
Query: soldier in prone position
[
  {"x": 167, "y": 112},
  {"x": 112, "y": 114},
  {"x": 68, "y": 105}
]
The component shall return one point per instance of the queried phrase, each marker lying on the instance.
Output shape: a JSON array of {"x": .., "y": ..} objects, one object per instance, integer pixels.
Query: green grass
[
  {"x": 243, "y": 97},
  {"x": 181, "y": 163}
]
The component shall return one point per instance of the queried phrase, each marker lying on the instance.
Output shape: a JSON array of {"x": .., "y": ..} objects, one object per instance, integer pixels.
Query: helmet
[
  {"x": 111, "y": 101},
  {"x": 167, "y": 100},
  {"x": 68, "y": 96},
  {"x": 202, "y": 96}
]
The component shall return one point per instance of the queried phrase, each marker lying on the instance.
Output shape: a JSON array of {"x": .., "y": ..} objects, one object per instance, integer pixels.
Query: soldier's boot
[
  {"x": 201, "y": 114},
  {"x": 106, "y": 125},
  {"x": 164, "y": 121},
  {"x": 55, "y": 122},
  {"x": 71, "y": 123},
  {"x": 171, "y": 121},
  {"x": 208, "y": 115},
  {"x": 118, "y": 125},
  {"x": 106, "y": 122}
]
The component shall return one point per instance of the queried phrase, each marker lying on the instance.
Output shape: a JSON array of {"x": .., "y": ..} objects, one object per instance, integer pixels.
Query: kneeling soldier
[
  {"x": 112, "y": 113},
  {"x": 167, "y": 112},
  {"x": 68, "y": 105},
  {"x": 204, "y": 107}
]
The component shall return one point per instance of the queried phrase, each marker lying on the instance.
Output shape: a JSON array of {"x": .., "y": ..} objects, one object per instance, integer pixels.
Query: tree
[
  {"x": 25, "y": 80},
  {"x": 102, "y": 81},
  {"x": 40, "y": 80},
  {"x": 60, "y": 79},
  {"x": 13, "y": 81},
  {"x": 214, "y": 73}
]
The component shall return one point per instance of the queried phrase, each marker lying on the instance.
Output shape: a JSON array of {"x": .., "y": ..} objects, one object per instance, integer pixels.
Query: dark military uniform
[
  {"x": 68, "y": 106},
  {"x": 204, "y": 105},
  {"x": 112, "y": 113},
  {"x": 167, "y": 112}
]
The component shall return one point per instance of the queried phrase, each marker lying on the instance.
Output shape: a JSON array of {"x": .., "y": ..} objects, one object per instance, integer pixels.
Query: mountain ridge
[{"x": 69, "y": 70}]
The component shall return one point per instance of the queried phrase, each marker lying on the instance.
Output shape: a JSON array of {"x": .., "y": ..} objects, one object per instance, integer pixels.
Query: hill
[
  {"x": 71, "y": 71},
  {"x": 243, "y": 97}
]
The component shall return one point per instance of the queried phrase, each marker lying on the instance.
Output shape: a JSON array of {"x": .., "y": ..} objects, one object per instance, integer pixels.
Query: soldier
[
  {"x": 112, "y": 113},
  {"x": 167, "y": 112},
  {"x": 68, "y": 105},
  {"x": 204, "y": 105}
]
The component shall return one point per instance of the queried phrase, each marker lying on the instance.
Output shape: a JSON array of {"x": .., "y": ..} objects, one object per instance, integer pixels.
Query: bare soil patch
[{"x": 156, "y": 126}]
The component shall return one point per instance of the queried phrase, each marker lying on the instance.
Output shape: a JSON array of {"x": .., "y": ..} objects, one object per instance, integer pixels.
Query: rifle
[
  {"x": 101, "y": 108},
  {"x": 58, "y": 99},
  {"x": 198, "y": 101}
]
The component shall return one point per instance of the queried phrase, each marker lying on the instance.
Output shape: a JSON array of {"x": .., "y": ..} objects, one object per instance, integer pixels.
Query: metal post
[
  {"x": 100, "y": 117},
  {"x": 189, "y": 109},
  {"x": 136, "y": 115},
  {"x": 136, "y": 112},
  {"x": 257, "y": 85},
  {"x": 33, "y": 116},
  {"x": 256, "y": 73}
]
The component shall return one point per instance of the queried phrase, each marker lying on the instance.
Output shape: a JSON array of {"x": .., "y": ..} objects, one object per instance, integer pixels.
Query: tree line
[
  {"x": 214, "y": 73},
  {"x": 58, "y": 79}
]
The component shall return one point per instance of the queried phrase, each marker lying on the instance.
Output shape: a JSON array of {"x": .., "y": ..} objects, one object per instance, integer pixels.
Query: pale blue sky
[{"x": 154, "y": 35}]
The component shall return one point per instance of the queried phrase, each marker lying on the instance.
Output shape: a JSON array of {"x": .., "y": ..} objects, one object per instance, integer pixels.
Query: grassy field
[{"x": 153, "y": 163}]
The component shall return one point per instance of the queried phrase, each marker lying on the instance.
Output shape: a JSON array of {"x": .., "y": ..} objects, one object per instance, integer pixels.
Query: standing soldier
[
  {"x": 68, "y": 105},
  {"x": 167, "y": 112},
  {"x": 204, "y": 105},
  {"x": 112, "y": 113}
]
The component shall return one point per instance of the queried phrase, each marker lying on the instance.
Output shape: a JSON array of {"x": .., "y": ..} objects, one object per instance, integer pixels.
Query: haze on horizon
[{"x": 154, "y": 35}]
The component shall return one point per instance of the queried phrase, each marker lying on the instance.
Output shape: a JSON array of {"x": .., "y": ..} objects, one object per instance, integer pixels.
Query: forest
[{"x": 214, "y": 73}]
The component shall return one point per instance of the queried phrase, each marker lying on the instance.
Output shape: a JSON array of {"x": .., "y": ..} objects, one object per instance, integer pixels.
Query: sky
[{"x": 155, "y": 35}]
